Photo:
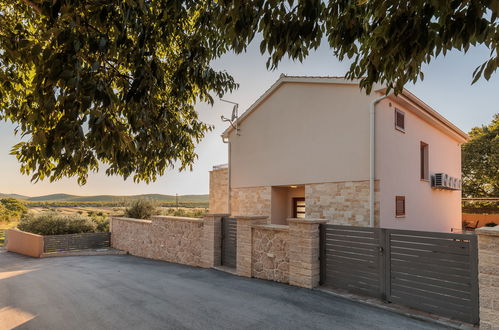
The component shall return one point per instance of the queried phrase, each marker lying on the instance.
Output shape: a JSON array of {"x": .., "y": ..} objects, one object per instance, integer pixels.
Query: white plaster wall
[
  {"x": 303, "y": 133},
  {"x": 398, "y": 168}
]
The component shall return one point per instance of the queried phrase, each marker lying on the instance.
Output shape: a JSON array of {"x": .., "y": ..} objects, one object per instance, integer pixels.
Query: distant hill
[
  {"x": 109, "y": 198},
  {"x": 13, "y": 196}
]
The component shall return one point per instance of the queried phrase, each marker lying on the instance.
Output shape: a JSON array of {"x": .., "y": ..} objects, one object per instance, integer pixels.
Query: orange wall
[
  {"x": 482, "y": 219},
  {"x": 24, "y": 243}
]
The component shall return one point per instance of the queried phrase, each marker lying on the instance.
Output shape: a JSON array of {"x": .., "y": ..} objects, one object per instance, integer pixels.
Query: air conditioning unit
[
  {"x": 438, "y": 180},
  {"x": 445, "y": 181}
]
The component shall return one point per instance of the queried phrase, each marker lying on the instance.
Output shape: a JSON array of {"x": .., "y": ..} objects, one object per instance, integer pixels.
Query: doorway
[{"x": 287, "y": 202}]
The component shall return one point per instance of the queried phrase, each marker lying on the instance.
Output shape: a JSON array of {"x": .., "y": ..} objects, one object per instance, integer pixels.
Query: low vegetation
[
  {"x": 141, "y": 209},
  {"x": 480, "y": 207},
  {"x": 189, "y": 213},
  {"x": 11, "y": 210},
  {"x": 57, "y": 224},
  {"x": 67, "y": 204}
]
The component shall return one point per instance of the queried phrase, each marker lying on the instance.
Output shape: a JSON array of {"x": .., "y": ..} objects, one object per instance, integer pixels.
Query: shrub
[
  {"x": 490, "y": 224},
  {"x": 141, "y": 209},
  {"x": 56, "y": 224},
  {"x": 101, "y": 223},
  {"x": 11, "y": 209}
]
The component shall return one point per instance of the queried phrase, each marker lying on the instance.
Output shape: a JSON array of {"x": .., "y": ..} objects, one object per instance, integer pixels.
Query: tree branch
[{"x": 32, "y": 5}]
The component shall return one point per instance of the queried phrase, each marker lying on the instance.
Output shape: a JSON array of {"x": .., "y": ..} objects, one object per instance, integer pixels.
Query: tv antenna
[{"x": 233, "y": 118}]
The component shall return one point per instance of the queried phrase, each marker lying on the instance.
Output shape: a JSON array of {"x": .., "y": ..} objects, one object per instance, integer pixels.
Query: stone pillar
[
  {"x": 212, "y": 240},
  {"x": 244, "y": 241},
  {"x": 304, "y": 245},
  {"x": 488, "y": 276}
]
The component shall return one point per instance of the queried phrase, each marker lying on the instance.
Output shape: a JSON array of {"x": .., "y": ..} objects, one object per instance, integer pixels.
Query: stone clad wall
[
  {"x": 174, "y": 239},
  {"x": 219, "y": 191},
  {"x": 488, "y": 276},
  {"x": 132, "y": 235},
  {"x": 270, "y": 252},
  {"x": 177, "y": 240},
  {"x": 251, "y": 200},
  {"x": 342, "y": 203}
]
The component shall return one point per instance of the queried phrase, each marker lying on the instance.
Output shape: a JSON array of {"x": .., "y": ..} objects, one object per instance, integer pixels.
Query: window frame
[
  {"x": 400, "y": 214},
  {"x": 295, "y": 205},
  {"x": 402, "y": 113},
  {"x": 424, "y": 161}
]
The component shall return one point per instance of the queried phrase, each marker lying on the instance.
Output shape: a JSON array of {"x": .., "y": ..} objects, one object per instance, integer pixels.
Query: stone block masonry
[
  {"x": 188, "y": 241},
  {"x": 219, "y": 191},
  {"x": 488, "y": 276},
  {"x": 252, "y": 200},
  {"x": 342, "y": 203}
]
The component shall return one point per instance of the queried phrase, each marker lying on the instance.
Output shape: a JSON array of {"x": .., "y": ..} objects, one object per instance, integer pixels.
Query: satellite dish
[
  {"x": 234, "y": 113},
  {"x": 233, "y": 117}
]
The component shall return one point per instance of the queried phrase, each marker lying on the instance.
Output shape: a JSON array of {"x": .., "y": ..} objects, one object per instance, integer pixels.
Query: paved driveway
[{"x": 126, "y": 292}]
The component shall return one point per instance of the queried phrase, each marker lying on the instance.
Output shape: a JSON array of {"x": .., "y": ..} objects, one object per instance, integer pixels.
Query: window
[
  {"x": 425, "y": 175},
  {"x": 399, "y": 120},
  {"x": 299, "y": 207},
  {"x": 400, "y": 206}
]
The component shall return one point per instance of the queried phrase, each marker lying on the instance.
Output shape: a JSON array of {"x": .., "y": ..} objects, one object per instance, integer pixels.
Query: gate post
[
  {"x": 488, "y": 276},
  {"x": 244, "y": 242},
  {"x": 212, "y": 240},
  {"x": 304, "y": 241}
]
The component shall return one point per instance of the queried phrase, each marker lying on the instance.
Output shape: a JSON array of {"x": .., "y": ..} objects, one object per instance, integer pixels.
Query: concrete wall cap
[
  {"x": 491, "y": 231},
  {"x": 24, "y": 232},
  {"x": 307, "y": 220},
  {"x": 144, "y": 221},
  {"x": 172, "y": 218},
  {"x": 272, "y": 227},
  {"x": 250, "y": 217}
]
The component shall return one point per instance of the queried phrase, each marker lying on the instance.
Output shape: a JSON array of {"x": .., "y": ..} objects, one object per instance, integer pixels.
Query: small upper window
[
  {"x": 400, "y": 206},
  {"x": 399, "y": 120},
  {"x": 425, "y": 175}
]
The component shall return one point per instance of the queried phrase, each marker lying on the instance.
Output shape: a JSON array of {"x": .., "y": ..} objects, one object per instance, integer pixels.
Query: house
[{"x": 319, "y": 147}]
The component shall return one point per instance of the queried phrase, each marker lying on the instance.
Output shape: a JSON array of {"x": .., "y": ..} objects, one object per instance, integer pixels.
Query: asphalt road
[{"x": 126, "y": 292}]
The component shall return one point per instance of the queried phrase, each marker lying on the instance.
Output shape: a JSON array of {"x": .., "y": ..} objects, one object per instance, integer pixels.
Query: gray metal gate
[
  {"x": 433, "y": 272},
  {"x": 229, "y": 242}
]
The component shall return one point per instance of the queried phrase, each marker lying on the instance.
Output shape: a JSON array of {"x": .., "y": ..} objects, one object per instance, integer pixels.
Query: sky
[{"x": 446, "y": 87}]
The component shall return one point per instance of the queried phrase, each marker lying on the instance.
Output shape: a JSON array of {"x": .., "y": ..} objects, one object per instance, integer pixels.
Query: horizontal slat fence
[
  {"x": 229, "y": 242},
  {"x": 73, "y": 242},
  {"x": 434, "y": 272},
  {"x": 350, "y": 260}
]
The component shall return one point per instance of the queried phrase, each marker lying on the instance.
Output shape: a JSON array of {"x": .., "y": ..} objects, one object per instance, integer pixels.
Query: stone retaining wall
[
  {"x": 173, "y": 239},
  {"x": 270, "y": 252}
]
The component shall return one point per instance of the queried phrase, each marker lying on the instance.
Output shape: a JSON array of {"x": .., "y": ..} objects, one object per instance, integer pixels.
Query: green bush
[
  {"x": 11, "y": 209},
  {"x": 477, "y": 206},
  {"x": 141, "y": 209},
  {"x": 56, "y": 224},
  {"x": 101, "y": 223}
]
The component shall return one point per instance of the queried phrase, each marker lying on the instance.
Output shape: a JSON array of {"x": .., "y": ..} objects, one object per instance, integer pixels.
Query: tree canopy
[
  {"x": 93, "y": 82},
  {"x": 480, "y": 157}
]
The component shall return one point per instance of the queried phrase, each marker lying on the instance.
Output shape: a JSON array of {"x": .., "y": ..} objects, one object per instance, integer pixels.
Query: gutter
[
  {"x": 372, "y": 155},
  {"x": 225, "y": 139}
]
